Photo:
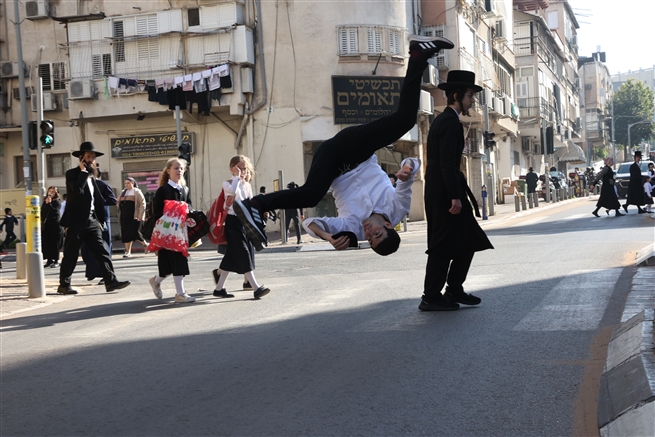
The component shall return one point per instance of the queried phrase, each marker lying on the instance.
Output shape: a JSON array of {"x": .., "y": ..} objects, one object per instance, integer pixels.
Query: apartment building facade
[
  {"x": 548, "y": 84},
  {"x": 111, "y": 72},
  {"x": 596, "y": 93},
  {"x": 481, "y": 31}
]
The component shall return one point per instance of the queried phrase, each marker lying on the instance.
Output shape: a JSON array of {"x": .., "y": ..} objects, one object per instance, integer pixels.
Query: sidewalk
[{"x": 13, "y": 292}]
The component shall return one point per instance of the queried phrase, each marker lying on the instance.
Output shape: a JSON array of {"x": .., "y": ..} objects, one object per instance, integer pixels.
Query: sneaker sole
[
  {"x": 263, "y": 293},
  {"x": 252, "y": 230},
  {"x": 462, "y": 301},
  {"x": 436, "y": 308},
  {"x": 430, "y": 42}
]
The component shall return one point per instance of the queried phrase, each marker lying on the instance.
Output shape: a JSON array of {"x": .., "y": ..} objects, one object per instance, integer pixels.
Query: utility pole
[
  {"x": 40, "y": 155},
  {"x": 490, "y": 178},
  {"x": 613, "y": 143},
  {"x": 27, "y": 169}
]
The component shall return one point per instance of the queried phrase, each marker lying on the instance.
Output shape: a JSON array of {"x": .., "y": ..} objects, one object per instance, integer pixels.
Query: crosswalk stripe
[{"x": 576, "y": 303}]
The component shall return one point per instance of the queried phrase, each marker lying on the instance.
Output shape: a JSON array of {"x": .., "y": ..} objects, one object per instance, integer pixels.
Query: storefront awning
[{"x": 573, "y": 155}]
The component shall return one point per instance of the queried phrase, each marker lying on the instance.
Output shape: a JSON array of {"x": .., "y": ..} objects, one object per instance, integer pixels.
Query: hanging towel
[
  {"x": 113, "y": 83},
  {"x": 178, "y": 80},
  {"x": 214, "y": 82},
  {"x": 223, "y": 70},
  {"x": 206, "y": 73},
  {"x": 197, "y": 76},
  {"x": 107, "y": 94}
]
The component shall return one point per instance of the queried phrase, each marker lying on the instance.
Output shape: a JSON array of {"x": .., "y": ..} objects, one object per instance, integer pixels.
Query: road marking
[{"x": 576, "y": 303}]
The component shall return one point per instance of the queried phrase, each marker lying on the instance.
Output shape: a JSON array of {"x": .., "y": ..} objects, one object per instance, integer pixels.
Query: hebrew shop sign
[
  {"x": 148, "y": 145},
  {"x": 360, "y": 99}
]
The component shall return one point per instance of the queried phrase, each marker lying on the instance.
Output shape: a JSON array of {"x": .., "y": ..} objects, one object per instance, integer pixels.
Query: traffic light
[
  {"x": 185, "y": 152},
  {"x": 47, "y": 134},
  {"x": 489, "y": 139},
  {"x": 32, "y": 135}
]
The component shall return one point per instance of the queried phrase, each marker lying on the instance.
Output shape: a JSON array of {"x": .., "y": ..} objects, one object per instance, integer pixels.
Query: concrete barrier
[{"x": 21, "y": 261}]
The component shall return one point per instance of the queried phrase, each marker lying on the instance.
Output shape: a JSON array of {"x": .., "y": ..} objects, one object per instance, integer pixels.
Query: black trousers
[
  {"x": 8, "y": 239},
  {"x": 443, "y": 270},
  {"x": 91, "y": 235},
  {"x": 352, "y": 146},
  {"x": 92, "y": 270},
  {"x": 296, "y": 224}
]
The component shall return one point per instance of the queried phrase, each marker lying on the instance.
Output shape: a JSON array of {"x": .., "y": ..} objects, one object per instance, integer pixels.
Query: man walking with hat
[
  {"x": 635, "y": 186},
  {"x": 453, "y": 232},
  {"x": 84, "y": 218}
]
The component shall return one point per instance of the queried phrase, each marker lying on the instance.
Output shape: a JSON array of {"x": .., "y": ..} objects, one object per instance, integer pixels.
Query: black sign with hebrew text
[{"x": 360, "y": 99}]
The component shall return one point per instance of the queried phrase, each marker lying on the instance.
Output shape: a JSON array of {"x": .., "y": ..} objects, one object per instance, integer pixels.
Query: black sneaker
[
  {"x": 66, "y": 289},
  {"x": 462, "y": 297},
  {"x": 116, "y": 285},
  {"x": 429, "y": 45},
  {"x": 252, "y": 220},
  {"x": 261, "y": 291},
  {"x": 247, "y": 286},
  {"x": 222, "y": 293},
  {"x": 438, "y": 304}
]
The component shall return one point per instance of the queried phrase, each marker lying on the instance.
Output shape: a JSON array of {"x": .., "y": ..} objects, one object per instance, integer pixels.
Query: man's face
[
  {"x": 89, "y": 157},
  {"x": 468, "y": 100},
  {"x": 651, "y": 166},
  {"x": 637, "y": 158},
  {"x": 375, "y": 229}
]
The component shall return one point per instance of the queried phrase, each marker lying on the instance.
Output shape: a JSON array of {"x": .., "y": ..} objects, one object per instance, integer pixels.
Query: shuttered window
[
  {"x": 395, "y": 45},
  {"x": 374, "y": 38},
  {"x": 53, "y": 76},
  {"x": 348, "y": 41}
]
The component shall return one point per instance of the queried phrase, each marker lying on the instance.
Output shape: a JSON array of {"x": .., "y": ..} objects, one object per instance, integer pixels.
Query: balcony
[{"x": 534, "y": 107}]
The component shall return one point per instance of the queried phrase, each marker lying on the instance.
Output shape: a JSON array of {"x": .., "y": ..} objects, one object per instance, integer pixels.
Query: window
[
  {"x": 348, "y": 41},
  {"x": 58, "y": 164},
  {"x": 119, "y": 44},
  {"x": 193, "y": 17},
  {"x": 148, "y": 46},
  {"x": 53, "y": 76},
  {"x": 374, "y": 38},
  {"x": 101, "y": 66},
  {"x": 439, "y": 61},
  {"x": 395, "y": 39}
]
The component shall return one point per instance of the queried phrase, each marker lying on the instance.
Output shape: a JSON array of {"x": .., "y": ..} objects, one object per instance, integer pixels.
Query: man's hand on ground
[{"x": 340, "y": 243}]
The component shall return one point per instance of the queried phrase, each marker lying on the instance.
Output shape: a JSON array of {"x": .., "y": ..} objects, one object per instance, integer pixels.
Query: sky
[{"x": 623, "y": 30}]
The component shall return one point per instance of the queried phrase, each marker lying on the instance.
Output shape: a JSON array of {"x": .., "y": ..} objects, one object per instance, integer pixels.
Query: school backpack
[{"x": 216, "y": 216}]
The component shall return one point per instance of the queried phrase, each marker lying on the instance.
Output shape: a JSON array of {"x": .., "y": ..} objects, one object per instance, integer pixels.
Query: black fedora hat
[
  {"x": 460, "y": 79},
  {"x": 86, "y": 146},
  {"x": 638, "y": 153}
]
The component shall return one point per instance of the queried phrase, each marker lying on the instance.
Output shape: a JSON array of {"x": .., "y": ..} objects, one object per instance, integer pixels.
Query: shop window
[{"x": 58, "y": 164}]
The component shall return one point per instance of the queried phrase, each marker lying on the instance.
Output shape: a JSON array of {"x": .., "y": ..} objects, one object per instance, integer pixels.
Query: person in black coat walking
[
  {"x": 454, "y": 234},
  {"x": 635, "y": 186},
  {"x": 607, "y": 199},
  {"x": 51, "y": 233},
  {"x": 292, "y": 214},
  {"x": 531, "y": 180},
  {"x": 84, "y": 218}
]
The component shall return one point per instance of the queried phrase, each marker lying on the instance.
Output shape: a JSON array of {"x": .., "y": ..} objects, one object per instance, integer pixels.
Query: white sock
[
  {"x": 251, "y": 278},
  {"x": 221, "y": 280},
  {"x": 159, "y": 279},
  {"x": 179, "y": 284}
]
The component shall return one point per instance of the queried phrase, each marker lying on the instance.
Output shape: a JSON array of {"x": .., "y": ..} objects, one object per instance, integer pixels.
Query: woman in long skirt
[
  {"x": 51, "y": 232},
  {"x": 172, "y": 186},
  {"x": 131, "y": 214},
  {"x": 607, "y": 199},
  {"x": 240, "y": 254}
]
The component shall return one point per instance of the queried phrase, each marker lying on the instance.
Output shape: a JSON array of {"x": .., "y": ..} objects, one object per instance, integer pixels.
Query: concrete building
[
  {"x": 646, "y": 75},
  {"x": 596, "y": 92},
  {"x": 481, "y": 31},
  {"x": 287, "y": 63},
  {"x": 548, "y": 83}
]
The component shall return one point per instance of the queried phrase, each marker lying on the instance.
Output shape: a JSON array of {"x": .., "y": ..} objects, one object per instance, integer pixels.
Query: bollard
[
  {"x": 35, "y": 276},
  {"x": 517, "y": 205},
  {"x": 523, "y": 203},
  {"x": 405, "y": 224},
  {"x": 21, "y": 269},
  {"x": 485, "y": 194},
  {"x": 531, "y": 200},
  {"x": 536, "y": 199}
]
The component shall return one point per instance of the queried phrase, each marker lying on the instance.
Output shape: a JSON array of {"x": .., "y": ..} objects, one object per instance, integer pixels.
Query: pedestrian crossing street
[{"x": 576, "y": 303}]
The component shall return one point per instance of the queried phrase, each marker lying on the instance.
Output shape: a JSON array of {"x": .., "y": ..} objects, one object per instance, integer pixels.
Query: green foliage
[
  {"x": 633, "y": 102},
  {"x": 601, "y": 152},
  {"x": 13, "y": 244}
]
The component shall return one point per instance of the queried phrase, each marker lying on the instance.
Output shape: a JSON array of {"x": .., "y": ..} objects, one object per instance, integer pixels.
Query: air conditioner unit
[
  {"x": 427, "y": 104},
  {"x": 9, "y": 69},
  {"x": 430, "y": 77},
  {"x": 36, "y": 9},
  {"x": 508, "y": 105},
  {"x": 81, "y": 89},
  {"x": 498, "y": 105},
  {"x": 49, "y": 102}
]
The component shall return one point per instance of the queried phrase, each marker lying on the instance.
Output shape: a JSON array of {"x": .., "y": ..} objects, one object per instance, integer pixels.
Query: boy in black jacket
[{"x": 8, "y": 223}]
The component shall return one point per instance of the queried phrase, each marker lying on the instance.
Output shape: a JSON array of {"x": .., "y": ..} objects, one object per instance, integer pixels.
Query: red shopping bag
[
  {"x": 170, "y": 231},
  {"x": 216, "y": 216}
]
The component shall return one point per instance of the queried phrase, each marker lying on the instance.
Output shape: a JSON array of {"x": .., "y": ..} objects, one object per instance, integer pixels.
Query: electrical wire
[{"x": 293, "y": 50}]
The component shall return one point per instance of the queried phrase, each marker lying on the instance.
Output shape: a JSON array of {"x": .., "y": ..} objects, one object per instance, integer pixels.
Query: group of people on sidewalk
[
  {"x": 640, "y": 188},
  {"x": 369, "y": 206}
]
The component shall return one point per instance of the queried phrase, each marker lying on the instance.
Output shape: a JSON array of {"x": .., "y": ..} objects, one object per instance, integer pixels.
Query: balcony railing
[{"x": 534, "y": 107}]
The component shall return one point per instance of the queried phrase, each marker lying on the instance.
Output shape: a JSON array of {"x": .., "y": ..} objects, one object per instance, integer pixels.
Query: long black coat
[
  {"x": 607, "y": 197},
  {"x": 51, "y": 232},
  {"x": 449, "y": 235},
  {"x": 78, "y": 206},
  {"x": 635, "y": 186}
]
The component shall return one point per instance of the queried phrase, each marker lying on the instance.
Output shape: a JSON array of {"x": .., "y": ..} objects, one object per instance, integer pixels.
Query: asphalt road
[{"x": 338, "y": 347}]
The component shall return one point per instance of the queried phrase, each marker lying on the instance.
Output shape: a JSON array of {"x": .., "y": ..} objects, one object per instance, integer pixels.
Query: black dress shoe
[
  {"x": 261, "y": 291},
  {"x": 102, "y": 282},
  {"x": 461, "y": 297},
  {"x": 222, "y": 293},
  {"x": 116, "y": 285},
  {"x": 625, "y": 207},
  {"x": 595, "y": 213},
  {"x": 438, "y": 304},
  {"x": 641, "y": 211},
  {"x": 66, "y": 289}
]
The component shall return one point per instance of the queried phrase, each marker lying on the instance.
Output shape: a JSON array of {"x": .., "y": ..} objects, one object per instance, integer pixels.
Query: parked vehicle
[{"x": 622, "y": 176}]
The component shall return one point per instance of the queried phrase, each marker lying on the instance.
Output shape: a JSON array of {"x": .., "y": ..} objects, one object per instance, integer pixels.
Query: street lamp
[
  {"x": 612, "y": 117},
  {"x": 634, "y": 124}
]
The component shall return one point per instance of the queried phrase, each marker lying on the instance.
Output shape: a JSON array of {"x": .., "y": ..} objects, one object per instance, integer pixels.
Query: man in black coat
[
  {"x": 635, "y": 186},
  {"x": 84, "y": 218},
  {"x": 454, "y": 235},
  {"x": 531, "y": 179}
]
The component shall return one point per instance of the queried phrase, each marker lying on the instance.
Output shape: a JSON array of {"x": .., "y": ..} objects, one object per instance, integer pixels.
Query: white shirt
[
  {"x": 175, "y": 185},
  {"x": 239, "y": 189},
  {"x": 362, "y": 192},
  {"x": 89, "y": 182},
  {"x": 648, "y": 188}
]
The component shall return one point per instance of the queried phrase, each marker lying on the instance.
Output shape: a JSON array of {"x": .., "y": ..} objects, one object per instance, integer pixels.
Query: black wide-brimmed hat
[
  {"x": 86, "y": 146},
  {"x": 460, "y": 79},
  {"x": 638, "y": 153}
]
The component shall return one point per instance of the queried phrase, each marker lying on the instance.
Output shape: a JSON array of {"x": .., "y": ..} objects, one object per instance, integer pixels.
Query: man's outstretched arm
[{"x": 314, "y": 228}]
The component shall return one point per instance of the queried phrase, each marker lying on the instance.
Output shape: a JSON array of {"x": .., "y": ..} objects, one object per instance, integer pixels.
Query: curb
[
  {"x": 535, "y": 210},
  {"x": 626, "y": 401}
]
